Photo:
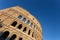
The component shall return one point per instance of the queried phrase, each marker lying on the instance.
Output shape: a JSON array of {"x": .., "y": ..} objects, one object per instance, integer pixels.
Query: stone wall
[{"x": 19, "y": 24}]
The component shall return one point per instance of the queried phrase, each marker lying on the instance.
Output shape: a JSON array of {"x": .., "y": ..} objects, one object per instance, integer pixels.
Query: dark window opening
[
  {"x": 4, "y": 35},
  {"x": 28, "y": 22},
  {"x": 24, "y": 19},
  {"x": 34, "y": 26},
  {"x": 20, "y": 26},
  {"x": 25, "y": 29},
  {"x": 19, "y": 16},
  {"x": 29, "y": 32},
  {"x": 1, "y": 25},
  {"x": 20, "y": 39},
  {"x": 14, "y": 23},
  {"x": 33, "y": 34},
  {"x": 13, "y": 37},
  {"x": 31, "y": 24}
]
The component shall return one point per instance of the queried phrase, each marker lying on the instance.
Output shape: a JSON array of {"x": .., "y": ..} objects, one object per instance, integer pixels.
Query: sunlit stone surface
[{"x": 18, "y": 24}]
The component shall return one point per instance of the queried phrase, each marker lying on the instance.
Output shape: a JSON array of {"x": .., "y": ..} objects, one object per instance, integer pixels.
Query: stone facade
[{"x": 18, "y": 24}]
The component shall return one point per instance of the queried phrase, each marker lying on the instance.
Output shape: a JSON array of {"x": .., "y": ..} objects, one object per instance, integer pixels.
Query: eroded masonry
[{"x": 18, "y": 24}]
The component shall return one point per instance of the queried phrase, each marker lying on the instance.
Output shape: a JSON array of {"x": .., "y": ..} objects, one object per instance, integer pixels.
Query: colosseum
[{"x": 18, "y": 24}]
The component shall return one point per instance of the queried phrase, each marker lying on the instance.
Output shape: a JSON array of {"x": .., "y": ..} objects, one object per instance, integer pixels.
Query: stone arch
[
  {"x": 20, "y": 38},
  {"x": 19, "y": 26},
  {"x": 4, "y": 35},
  {"x": 24, "y": 29},
  {"x": 13, "y": 37},
  {"x": 14, "y": 23}
]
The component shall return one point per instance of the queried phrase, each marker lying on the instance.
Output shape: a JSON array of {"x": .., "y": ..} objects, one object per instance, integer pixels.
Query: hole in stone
[{"x": 19, "y": 26}]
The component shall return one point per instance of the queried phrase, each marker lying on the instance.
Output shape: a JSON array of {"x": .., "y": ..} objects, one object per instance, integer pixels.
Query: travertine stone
[{"x": 9, "y": 16}]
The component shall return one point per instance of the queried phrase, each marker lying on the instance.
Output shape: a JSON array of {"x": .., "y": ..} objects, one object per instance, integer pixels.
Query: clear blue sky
[{"x": 46, "y": 11}]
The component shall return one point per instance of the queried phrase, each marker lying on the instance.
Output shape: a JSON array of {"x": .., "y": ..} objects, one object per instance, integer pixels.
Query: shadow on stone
[{"x": 2, "y": 37}]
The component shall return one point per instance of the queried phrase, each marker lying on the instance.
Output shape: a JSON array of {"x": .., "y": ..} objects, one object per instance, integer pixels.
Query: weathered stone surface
[{"x": 15, "y": 21}]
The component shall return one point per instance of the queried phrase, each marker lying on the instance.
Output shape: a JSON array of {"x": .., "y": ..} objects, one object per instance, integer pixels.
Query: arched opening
[
  {"x": 14, "y": 23},
  {"x": 31, "y": 24},
  {"x": 28, "y": 22},
  {"x": 24, "y": 19},
  {"x": 29, "y": 32},
  {"x": 19, "y": 26},
  {"x": 4, "y": 35},
  {"x": 20, "y": 38},
  {"x": 1, "y": 25},
  {"x": 33, "y": 34},
  {"x": 13, "y": 37},
  {"x": 19, "y": 16},
  {"x": 24, "y": 29}
]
